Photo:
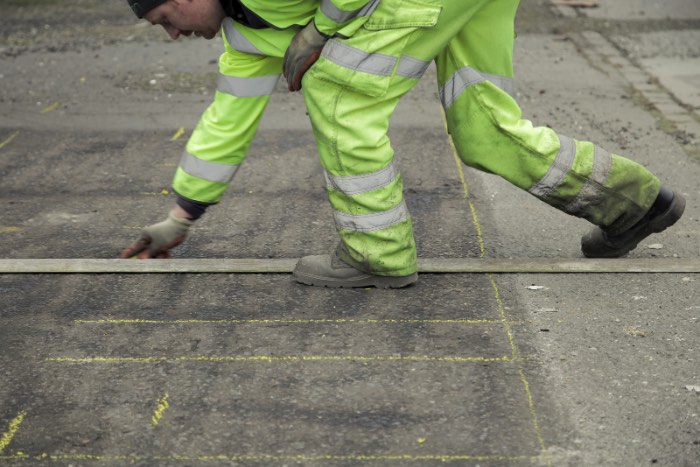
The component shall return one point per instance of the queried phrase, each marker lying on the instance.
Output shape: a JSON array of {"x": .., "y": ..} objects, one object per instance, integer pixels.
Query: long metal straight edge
[{"x": 286, "y": 265}]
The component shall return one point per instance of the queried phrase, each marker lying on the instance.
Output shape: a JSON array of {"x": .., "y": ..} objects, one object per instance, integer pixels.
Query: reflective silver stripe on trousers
[
  {"x": 210, "y": 171},
  {"x": 467, "y": 76},
  {"x": 238, "y": 41},
  {"x": 410, "y": 67},
  {"x": 557, "y": 171},
  {"x": 356, "y": 184},
  {"x": 356, "y": 59},
  {"x": 592, "y": 191},
  {"x": 255, "y": 86},
  {"x": 371, "y": 222}
]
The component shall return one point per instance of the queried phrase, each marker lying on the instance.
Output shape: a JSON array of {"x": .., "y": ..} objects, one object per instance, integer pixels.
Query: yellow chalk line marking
[
  {"x": 501, "y": 308},
  {"x": 6, "y": 438},
  {"x": 465, "y": 189},
  {"x": 289, "y": 321},
  {"x": 163, "y": 405},
  {"x": 282, "y": 358},
  {"x": 502, "y": 313},
  {"x": 51, "y": 107},
  {"x": 10, "y": 229},
  {"x": 178, "y": 134},
  {"x": 270, "y": 457},
  {"x": 523, "y": 379},
  {"x": 9, "y": 139},
  {"x": 141, "y": 227},
  {"x": 535, "y": 421},
  {"x": 162, "y": 192}
]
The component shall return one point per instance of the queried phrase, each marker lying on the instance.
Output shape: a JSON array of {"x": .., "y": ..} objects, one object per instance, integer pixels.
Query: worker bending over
[{"x": 354, "y": 60}]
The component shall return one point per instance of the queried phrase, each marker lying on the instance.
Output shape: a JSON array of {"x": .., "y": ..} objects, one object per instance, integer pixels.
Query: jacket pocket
[
  {"x": 397, "y": 14},
  {"x": 367, "y": 61}
]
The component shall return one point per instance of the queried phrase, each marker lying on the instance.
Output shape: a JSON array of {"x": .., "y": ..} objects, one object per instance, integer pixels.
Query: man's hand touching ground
[{"x": 157, "y": 240}]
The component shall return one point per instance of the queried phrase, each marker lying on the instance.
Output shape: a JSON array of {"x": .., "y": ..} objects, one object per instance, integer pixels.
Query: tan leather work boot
[{"x": 331, "y": 271}]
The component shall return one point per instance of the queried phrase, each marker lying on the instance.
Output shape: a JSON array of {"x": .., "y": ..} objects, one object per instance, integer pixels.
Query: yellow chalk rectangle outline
[
  {"x": 285, "y": 358},
  {"x": 289, "y": 321},
  {"x": 271, "y": 457}
]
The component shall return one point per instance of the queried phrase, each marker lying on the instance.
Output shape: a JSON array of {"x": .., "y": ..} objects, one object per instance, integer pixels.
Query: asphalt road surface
[{"x": 481, "y": 369}]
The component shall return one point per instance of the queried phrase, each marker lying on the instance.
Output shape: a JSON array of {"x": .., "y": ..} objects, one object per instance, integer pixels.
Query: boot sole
[
  {"x": 659, "y": 224},
  {"x": 380, "y": 282}
]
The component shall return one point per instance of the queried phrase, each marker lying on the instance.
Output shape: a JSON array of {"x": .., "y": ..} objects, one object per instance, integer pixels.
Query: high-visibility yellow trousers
[{"x": 353, "y": 89}]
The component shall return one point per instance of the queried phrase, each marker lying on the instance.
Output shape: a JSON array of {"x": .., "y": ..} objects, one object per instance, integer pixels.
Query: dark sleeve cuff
[{"x": 192, "y": 207}]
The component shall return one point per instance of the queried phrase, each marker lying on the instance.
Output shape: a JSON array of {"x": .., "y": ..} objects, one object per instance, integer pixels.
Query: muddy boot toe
[
  {"x": 667, "y": 209},
  {"x": 331, "y": 271}
]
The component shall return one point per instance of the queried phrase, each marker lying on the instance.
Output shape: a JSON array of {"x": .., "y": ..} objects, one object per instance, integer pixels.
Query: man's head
[
  {"x": 141, "y": 7},
  {"x": 182, "y": 17}
]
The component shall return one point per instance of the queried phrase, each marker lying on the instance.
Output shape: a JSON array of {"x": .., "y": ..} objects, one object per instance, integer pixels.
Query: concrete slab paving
[
  {"x": 670, "y": 61},
  {"x": 644, "y": 10},
  {"x": 681, "y": 77}
]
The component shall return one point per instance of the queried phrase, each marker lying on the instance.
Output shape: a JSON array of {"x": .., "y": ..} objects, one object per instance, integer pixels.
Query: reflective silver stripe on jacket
[
  {"x": 238, "y": 41},
  {"x": 356, "y": 59},
  {"x": 592, "y": 191},
  {"x": 368, "y": 9},
  {"x": 371, "y": 222},
  {"x": 340, "y": 16},
  {"x": 247, "y": 87},
  {"x": 336, "y": 14},
  {"x": 355, "y": 184},
  {"x": 210, "y": 171},
  {"x": 410, "y": 67},
  {"x": 467, "y": 76},
  {"x": 557, "y": 171}
]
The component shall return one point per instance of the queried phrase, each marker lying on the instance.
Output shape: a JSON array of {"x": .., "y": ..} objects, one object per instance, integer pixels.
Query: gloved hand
[
  {"x": 303, "y": 52},
  {"x": 158, "y": 239}
]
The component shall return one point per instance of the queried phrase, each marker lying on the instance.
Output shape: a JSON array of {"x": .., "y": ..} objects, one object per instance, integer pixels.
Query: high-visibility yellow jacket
[
  {"x": 256, "y": 34},
  {"x": 330, "y": 16}
]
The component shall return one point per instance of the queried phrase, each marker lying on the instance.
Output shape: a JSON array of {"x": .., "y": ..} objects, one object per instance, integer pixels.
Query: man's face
[{"x": 184, "y": 17}]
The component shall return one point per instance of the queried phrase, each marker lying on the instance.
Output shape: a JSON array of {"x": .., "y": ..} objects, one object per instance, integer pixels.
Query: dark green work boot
[
  {"x": 331, "y": 271},
  {"x": 665, "y": 211}
]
